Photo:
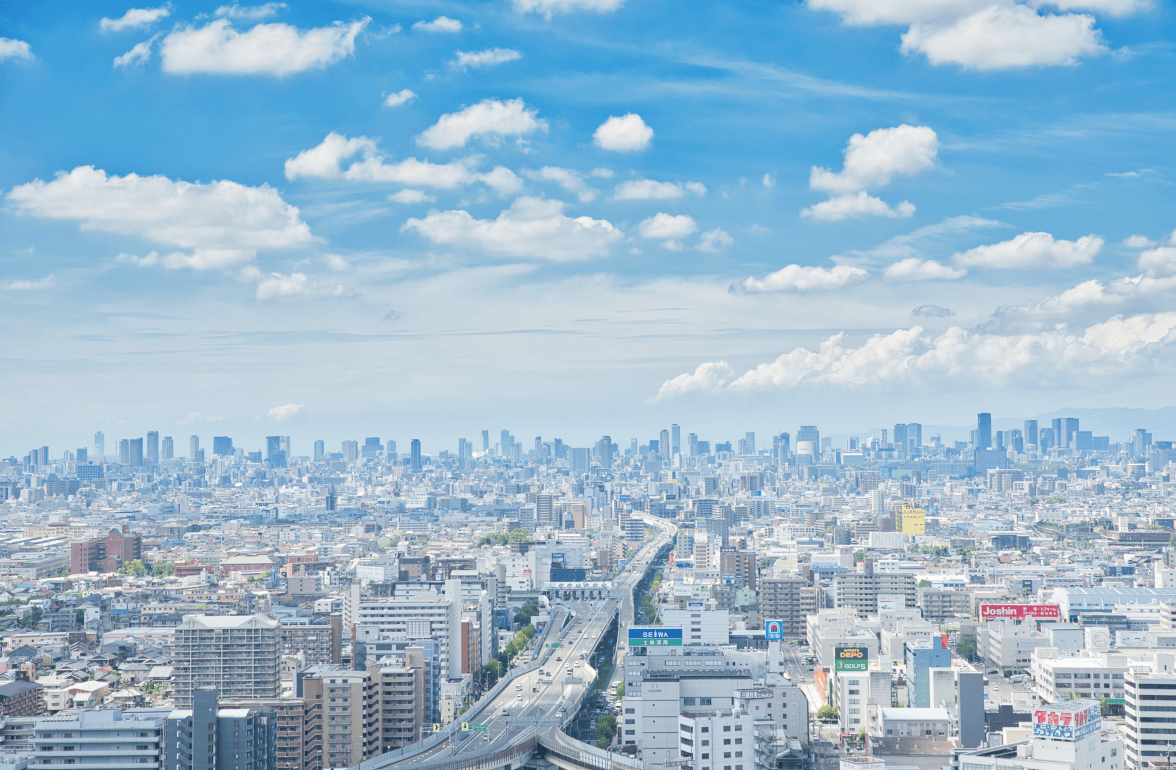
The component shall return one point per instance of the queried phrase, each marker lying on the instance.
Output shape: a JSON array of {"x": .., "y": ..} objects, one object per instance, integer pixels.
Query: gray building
[{"x": 236, "y": 654}]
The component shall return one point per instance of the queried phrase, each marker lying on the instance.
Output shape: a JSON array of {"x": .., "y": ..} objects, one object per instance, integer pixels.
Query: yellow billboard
[{"x": 914, "y": 520}]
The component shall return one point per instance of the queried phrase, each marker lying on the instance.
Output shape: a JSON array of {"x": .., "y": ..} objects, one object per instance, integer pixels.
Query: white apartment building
[
  {"x": 699, "y": 626},
  {"x": 99, "y": 739},
  {"x": 428, "y": 615},
  {"x": 724, "y": 740},
  {"x": 1059, "y": 678},
  {"x": 1150, "y": 693},
  {"x": 1009, "y": 646}
]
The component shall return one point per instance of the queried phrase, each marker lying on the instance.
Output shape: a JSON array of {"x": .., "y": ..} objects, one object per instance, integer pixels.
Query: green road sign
[{"x": 478, "y": 727}]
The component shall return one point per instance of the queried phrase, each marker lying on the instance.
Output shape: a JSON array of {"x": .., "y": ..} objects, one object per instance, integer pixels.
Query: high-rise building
[
  {"x": 749, "y": 442},
  {"x": 108, "y": 738},
  {"x": 277, "y": 451},
  {"x": 485, "y": 442},
  {"x": 390, "y": 450},
  {"x": 675, "y": 439},
  {"x": 1031, "y": 435},
  {"x": 320, "y": 449},
  {"x": 1069, "y": 428},
  {"x": 135, "y": 457},
  {"x": 350, "y": 713},
  {"x": 99, "y": 444},
  {"x": 581, "y": 461},
  {"x": 83, "y": 456},
  {"x": 914, "y": 437},
  {"x": 168, "y": 450},
  {"x": 663, "y": 445},
  {"x": 983, "y": 431},
  {"x": 900, "y": 439},
  {"x": 371, "y": 448},
  {"x": 152, "y": 450},
  {"x": 781, "y": 448},
  {"x": 692, "y": 444},
  {"x": 236, "y": 654},
  {"x": 604, "y": 452},
  {"x": 417, "y": 465},
  {"x": 124, "y": 451},
  {"x": 544, "y": 508},
  {"x": 194, "y": 453},
  {"x": 789, "y": 600},
  {"x": 222, "y": 446},
  {"x": 506, "y": 444},
  {"x": 350, "y": 450}
]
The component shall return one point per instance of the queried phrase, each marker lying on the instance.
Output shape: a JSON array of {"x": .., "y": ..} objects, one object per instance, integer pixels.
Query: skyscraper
[
  {"x": 1058, "y": 435},
  {"x": 152, "y": 450},
  {"x": 809, "y": 433},
  {"x": 984, "y": 430},
  {"x": 371, "y": 448},
  {"x": 135, "y": 458},
  {"x": 168, "y": 450},
  {"x": 604, "y": 453},
  {"x": 320, "y": 449},
  {"x": 99, "y": 444},
  {"x": 581, "y": 461},
  {"x": 124, "y": 451},
  {"x": 416, "y": 455},
  {"x": 692, "y": 444},
  {"x": 663, "y": 445},
  {"x": 749, "y": 442},
  {"x": 914, "y": 437},
  {"x": 193, "y": 449},
  {"x": 277, "y": 450},
  {"x": 900, "y": 439},
  {"x": 1031, "y": 435},
  {"x": 675, "y": 439},
  {"x": 222, "y": 446},
  {"x": 485, "y": 442},
  {"x": 1070, "y": 426},
  {"x": 506, "y": 444}
]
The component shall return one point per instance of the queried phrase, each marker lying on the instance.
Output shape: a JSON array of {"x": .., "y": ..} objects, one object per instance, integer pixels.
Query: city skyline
[{"x": 604, "y": 209}]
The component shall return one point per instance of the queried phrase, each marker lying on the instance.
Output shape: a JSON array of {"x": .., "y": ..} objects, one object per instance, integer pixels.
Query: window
[
  {"x": 726, "y": 755},
  {"x": 726, "y": 728},
  {"x": 706, "y": 743},
  {"x": 738, "y": 729},
  {"x": 706, "y": 756},
  {"x": 738, "y": 754},
  {"x": 688, "y": 701},
  {"x": 738, "y": 741},
  {"x": 704, "y": 701},
  {"x": 726, "y": 741},
  {"x": 706, "y": 729}
]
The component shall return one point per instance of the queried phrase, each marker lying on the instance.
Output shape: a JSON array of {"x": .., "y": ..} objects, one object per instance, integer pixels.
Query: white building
[
  {"x": 1151, "y": 711},
  {"x": 1066, "y": 736},
  {"x": 1059, "y": 677},
  {"x": 915, "y": 723},
  {"x": 1010, "y": 646},
  {"x": 99, "y": 739},
  {"x": 699, "y": 627},
  {"x": 428, "y": 614},
  {"x": 724, "y": 739}
]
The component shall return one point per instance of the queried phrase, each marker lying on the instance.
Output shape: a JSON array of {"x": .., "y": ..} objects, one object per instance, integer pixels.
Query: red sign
[{"x": 1018, "y": 611}]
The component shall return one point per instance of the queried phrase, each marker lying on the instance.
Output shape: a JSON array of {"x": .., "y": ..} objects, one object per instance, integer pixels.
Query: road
[{"x": 533, "y": 700}]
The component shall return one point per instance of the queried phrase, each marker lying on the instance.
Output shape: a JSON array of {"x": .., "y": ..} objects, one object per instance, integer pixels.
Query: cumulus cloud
[
  {"x": 856, "y": 206},
  {"x": 932, "y": 311},
  {"x": 487, "y": 58},
  {"x": 491, "y": 118},
  {"x": 29, "y": 284},
  {"x": 804, "y": 278},
  {"x": 909, "y": 358},
  {"x": 1109, "y": 7},
  {"x": 872, "y": 160},
  {"x": 217, "y": 224},
  {"x": 137, "y": 55},
  {"x": 1158, "y": 261},
  {"x": 707, "y": 377},
  {"x": 769, "y": 181},
  {"x": 667, "y": 226},
  {"x": 266, "y": 49},
  {"x": 568, "y": 179},
  {"x": 135, "y": 18},
  {"x": 915, "y": 269},
  {"x": 1006, "y": 37},
  {"x": 714, "y": 241},
  {"x": 249, "y": 12},
  {"x": 1078, "y": 303},
  {"x": 325, "y": 162},
  {"x": 1138, "y": 242},
  {"x": 1032, "y": 251},
  {"x": 295, "y": 285},
  {"x": 627, "y": 133},
  {"x": 649, "y": 190},
  {"x": 401, "y": 97},
  {"x": 439, "y": 24},
  {"x": 549, "y": 7},
  {"x": 15, "y": 49},
  {"x": 411, "y": 196},
  {"x": 286, "y": 412},
  {"x": 530, "y": 228},
  {"x": 866, "y": 12}
]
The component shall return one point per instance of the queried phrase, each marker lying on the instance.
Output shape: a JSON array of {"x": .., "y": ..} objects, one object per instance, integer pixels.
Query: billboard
[
  {"x": 654, "y": 636},
  {"x": 774, "y": 630},
  {"x": 1069, "y": 721},
  {"x": 851, "y": 659},
  {"x": 1018, "y": 611}
]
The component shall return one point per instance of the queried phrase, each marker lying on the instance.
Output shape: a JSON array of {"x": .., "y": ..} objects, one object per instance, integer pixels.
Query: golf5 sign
[
  {"x": 654, "y": 636},
  {"x": 851, "y": 659}
]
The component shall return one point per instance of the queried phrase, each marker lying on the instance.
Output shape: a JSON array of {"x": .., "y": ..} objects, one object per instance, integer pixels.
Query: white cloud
[
  {"x": 487, "y": 58},
  {"x": 397, "y": 99},
  {"x": 1032, "y": 251},
  {"x": 1109, "y": 7},
  {"x": 714, "y": 241},
  {"x": 249, "y": 12},
  {"x": 337, "y": 263},
  {"x": 803, "y": 278},
  {"x": 769, "y": 181},
  {"x": 649, "y": 190},
  {"x": 871, "y": 160},
  {"x": 15, "y": 49},
  {"x": 266, "y": 49},
  {"x": 221, "y": 223},
  {"x": 603, "y": 173},
  {"x": 286, "y": 412},
  {"x": 276, "y": 285},
  {"x": 411, "y": 196},
  {"x": 26, "y": 284},
  {"x": 1005, "y": 37},
  {"x": 549, "y": 7},
  {"x": 531, "y": 227},
  {"x": 439, "y": 24},
  {"x": 1158, "y": 261},
  {"x": 855, "y": 206},
  {"x": 866, "y": 12},
  {"x": 932, "y": 311},
  {"x": 1138, "y": 242},
  {"x": 324, "y": 162},
  {"x": 624, "y": 134},
  {"x": 489, "y": 118},
  {"x": 137, "y": 55},
  {"x": 915, "y": 269},
  {"x": 135, "y": 18},
  {"x": 707, "y": 377},
  {"x": 909, "y": 358},
  {"x": 667, "y": 226},
  {"x": 568, "y": 179}
]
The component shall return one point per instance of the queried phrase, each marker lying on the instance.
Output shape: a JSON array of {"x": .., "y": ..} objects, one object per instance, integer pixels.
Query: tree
[
  {"x": 859, "y": 555},
  {"x": 164, "y": 569},
  {"x": 966, "y": 649},
  {"x": 31, "y": 618},
  {"x": 134, "y": 568},
  {"x": 621, "y": 690},
  {"x": 924, "y": 584},
  {"x": 606, "y": 728},
  {"x": 826, "y": 713},
  {"x": 518, "y": 535}
]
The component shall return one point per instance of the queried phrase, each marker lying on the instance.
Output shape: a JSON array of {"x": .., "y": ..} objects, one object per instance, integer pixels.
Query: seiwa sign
[{"x": 1018, "y": 611}]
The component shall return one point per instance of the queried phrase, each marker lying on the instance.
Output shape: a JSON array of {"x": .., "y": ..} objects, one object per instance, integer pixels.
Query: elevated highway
[{"x": 526, "y": 712}]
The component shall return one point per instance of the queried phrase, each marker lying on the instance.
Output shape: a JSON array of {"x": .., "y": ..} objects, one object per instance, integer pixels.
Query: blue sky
[{"x": 570, "y": 217}]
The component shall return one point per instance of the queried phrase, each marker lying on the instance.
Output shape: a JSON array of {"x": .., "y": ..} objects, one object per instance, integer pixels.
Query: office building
[
  {"x": 1031, "y": 433},
  {"x": 124, "y": 452},
  {"x": 277, "y": 451},
  {"x": 675, "y": 439},
  {"x": 1150, "y": 728},
  {"x": 920, "y": 661},
  {"x": 417, "y": 464},
  {"x": 860, "y": 590},
  {"x": 604, "y": 452},
  {"x": 983, "y": 431},
  {"x": 581, "y": 461},
  {"x": 738, "y": 564},
  {"x": 152, "y": 449},
  {"x": 350, "y": 450},
  {"x": 320, "y": 449},
  {"x": 700, "y": 627},
  {"x": 135, "y": 454},
  {"x": 99, "y": 445},
  {"x": 167, "y": 450},
  {"x": 106, "y": 739},
  {"x": 236, "y": 654},
  {"x": 222, "y": 446},
  {"x": 790, "y": 601},
  {"x": 195, "y": 455},
  {"x": 428, "y": 614}
]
